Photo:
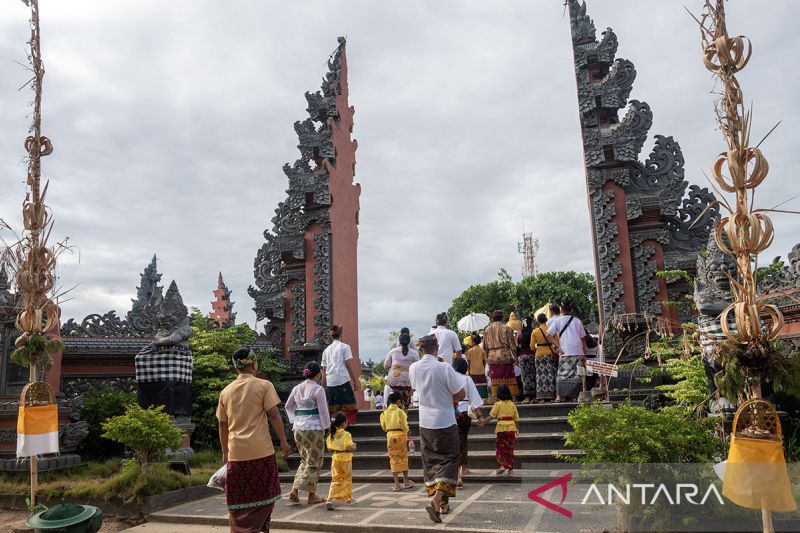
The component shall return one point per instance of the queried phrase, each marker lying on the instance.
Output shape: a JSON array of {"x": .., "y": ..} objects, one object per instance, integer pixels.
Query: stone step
[
  {"x": 485, "y": 460},
  {"x": 529, "y": 410},
  {"x": 538, "y": 424},
  {"x": 479, "y": 441},
  {"x": 532, "y": 476}
]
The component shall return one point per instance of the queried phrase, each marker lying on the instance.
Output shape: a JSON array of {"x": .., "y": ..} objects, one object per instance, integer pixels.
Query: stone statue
[
  {"x": 712, "y": 294},
  {"x": 164, "y": 367}
]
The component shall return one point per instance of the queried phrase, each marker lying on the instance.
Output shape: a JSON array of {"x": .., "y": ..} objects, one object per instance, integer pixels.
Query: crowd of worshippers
[{"x": 451, "y": 382}]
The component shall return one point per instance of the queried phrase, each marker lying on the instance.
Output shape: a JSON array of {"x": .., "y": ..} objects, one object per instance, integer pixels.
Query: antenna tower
[{"x": 529, "y": 247}]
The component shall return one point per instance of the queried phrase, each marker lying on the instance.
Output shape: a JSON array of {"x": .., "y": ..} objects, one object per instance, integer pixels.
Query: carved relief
[
  {"x": 656, "y": 204},
  {"x": 298, "y": 319},
  {"x": 307, "y": 203}
]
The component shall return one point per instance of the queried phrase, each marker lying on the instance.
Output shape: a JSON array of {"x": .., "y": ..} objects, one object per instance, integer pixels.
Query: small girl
[
  {"x": 505, "y": 412},
  {"x": 394, "y": 422},
  {"x": 341, "y": 443}
]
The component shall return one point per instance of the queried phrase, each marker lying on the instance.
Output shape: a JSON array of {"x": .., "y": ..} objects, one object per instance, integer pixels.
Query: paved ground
[{"x": 485, "y": 508}]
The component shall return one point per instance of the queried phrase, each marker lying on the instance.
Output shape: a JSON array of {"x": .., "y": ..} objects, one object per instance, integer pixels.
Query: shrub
[
  {"x": 212, "y": 348},
  {"x": 99, "y": 406},
  {"x": 631, "y": 434},
  {"x": 146, "y": 431}
]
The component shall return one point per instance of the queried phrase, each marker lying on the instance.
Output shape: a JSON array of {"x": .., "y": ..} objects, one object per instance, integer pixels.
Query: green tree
[
  {"x": 528, "y": 294},
  {"x": 146, "y": 431},
  {"x": 99, "y": 406},
  {"x": 212, "y": 348}
]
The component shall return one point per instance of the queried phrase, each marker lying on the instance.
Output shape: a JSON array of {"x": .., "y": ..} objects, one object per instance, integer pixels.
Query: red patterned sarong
[
  {"x": 252, "y": 488},
  {"x": 504, "y": 449}
]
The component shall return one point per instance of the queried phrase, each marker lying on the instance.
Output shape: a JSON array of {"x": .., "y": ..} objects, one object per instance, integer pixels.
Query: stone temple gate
[
  {"x": 306, "y": 272},
  {"x": 643, "y": 221}
]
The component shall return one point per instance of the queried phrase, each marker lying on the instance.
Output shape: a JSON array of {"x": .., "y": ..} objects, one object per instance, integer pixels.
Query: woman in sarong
[
  {"x": 397, "y": 362},
  {"x": 545, "y": 353},
  {"x": 527, "y": 361},
  {"x": 307, "y": 409},
  {"x": 340, "y": 376}
]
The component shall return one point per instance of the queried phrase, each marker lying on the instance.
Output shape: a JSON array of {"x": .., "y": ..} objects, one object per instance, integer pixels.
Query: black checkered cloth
[{"x": 164, "y": 363}]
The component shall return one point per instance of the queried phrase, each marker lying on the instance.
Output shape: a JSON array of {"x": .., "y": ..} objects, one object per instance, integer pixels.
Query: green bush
[
  {"x": 99, "y": 406},
  {"x": 212, "y": 348},
  {"x": 146, "y": 431},
  {"x": 632, "y": 434}
]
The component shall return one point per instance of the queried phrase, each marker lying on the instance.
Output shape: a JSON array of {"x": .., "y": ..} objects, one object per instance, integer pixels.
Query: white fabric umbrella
[{"x": 473, "y": 322}]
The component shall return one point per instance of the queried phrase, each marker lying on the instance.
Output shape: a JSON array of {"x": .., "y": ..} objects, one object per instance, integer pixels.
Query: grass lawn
[{"x": 111, "y": 479}]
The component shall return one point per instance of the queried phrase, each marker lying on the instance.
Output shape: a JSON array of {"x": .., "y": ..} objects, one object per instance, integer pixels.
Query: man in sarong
[
  {"x": 341, "y": 376},
  {"x": 252, "y": 485},
  {"x": 439, "y": 387},
  {"x": 571, "y": 337},
  {"x": 500, "y": 344}
]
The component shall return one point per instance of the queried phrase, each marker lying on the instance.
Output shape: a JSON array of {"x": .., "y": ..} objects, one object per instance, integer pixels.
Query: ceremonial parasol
[{"x": 473, "y": 322}]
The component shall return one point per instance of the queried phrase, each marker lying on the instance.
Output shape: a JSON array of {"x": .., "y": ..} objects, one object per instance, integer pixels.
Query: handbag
[{"x": 553, "y": 353}]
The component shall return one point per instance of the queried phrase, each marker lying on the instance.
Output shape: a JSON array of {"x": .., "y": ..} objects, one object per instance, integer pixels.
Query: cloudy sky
[{"x": 171, "y": 122}]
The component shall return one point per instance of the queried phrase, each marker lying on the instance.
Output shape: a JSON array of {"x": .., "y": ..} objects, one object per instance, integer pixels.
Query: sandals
[
  {"x": 397, "y": 489},
  {"x": 409, "y": 485},
  {"x": 433, "y": 514},
  {"x": 329, "y": 505},
  {"x": 319, "y": 500},
  {"x": 294, "y": 499},
  {"x": 460, "y": 483},
  {"x": 444, "y": 509},
  {"x": 499, "y": 472}
]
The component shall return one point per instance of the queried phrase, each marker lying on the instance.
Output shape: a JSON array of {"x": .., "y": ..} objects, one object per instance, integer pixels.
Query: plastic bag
[{"x": 219, "y": 478}]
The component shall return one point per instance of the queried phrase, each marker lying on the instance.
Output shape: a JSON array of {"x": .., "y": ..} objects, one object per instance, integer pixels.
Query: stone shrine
[
  {"x": 306, "y": 273},
  {"x": 222, "y": 307}
]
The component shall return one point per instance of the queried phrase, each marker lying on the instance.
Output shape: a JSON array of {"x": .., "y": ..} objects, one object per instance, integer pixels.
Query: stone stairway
[{"x": 542, "y": 428}]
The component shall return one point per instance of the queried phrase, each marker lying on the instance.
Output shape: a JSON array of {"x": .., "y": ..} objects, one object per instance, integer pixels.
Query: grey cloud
[{"x": 172, "y": 121}]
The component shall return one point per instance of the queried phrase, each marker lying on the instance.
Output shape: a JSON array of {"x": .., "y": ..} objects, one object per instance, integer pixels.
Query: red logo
[{"x": 562, "y": 482}]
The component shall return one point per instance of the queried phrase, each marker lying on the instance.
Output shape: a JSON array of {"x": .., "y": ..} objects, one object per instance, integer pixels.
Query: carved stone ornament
[
  {"x": 140, "y": 321},
  {"x": 307, "y": 204},
  {"x": 655, "y": 201}
]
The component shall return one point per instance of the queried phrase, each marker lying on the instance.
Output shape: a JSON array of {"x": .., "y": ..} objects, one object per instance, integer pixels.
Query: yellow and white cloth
[{"x": 37, "y": 430}]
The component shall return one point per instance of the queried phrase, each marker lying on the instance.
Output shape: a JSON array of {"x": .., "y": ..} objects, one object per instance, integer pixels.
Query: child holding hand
[{"x": 506, "y": 414}]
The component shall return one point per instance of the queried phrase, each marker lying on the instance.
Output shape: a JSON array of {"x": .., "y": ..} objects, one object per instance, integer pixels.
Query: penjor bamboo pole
[{"x": 739, "y": 170}]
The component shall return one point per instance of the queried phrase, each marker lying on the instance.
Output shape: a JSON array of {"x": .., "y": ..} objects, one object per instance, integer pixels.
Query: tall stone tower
[
  {"x": 306, "y": 275},
  {"x": 642, "y": 220}
]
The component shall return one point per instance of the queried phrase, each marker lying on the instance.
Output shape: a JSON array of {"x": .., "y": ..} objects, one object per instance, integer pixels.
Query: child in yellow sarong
[
  {"x": 340, "y": 442},
  {"x": 394, "y": 422}
]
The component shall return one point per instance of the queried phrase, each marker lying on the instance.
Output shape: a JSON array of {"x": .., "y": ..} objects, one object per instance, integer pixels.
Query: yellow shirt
[
  {"x": 394, "y": 419},
  {"x": 539, "y": 341},
  {"x": 243, "y": 404},
  {"x": 339, "y": 443},
  {"x": 505, "y": 409},
  {"x": 476, "y": 356}
]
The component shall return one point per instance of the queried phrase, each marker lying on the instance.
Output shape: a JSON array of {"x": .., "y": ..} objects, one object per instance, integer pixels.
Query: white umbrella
[{"x": 473, "y": 322}]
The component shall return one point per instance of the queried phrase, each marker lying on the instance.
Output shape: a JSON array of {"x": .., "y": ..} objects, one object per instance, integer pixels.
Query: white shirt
[
  {"x": 570, "y": 340},
  {"x": 436, "y": 383},
  {"x": 448, "y": 340},
  {"x": 333, "y": 359},
  {"x": 308, "y": 395},
  {"x": 378, "y": 402},
  {"x": 472, "y": 398}
]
